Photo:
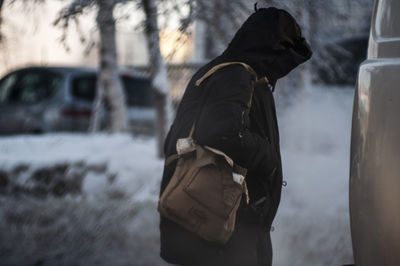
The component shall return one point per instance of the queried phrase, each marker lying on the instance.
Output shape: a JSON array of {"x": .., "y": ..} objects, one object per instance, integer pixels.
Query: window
[
  {"x": 84, "y": 88},
  {"x": 137, "y": 91},
  {"x": 5, "y": 86},
  {"x": 34, "y": 86}
]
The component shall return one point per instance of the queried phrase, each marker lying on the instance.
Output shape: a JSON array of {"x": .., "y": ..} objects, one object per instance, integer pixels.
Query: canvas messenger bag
[{"x": 207, "y": 186}]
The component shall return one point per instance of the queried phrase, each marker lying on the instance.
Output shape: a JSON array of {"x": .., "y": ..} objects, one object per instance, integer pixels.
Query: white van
[{"x": 375, "y": 144}]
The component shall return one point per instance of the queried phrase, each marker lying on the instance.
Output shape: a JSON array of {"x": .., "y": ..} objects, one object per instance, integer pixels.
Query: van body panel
[{"x": 375, "y": 144}]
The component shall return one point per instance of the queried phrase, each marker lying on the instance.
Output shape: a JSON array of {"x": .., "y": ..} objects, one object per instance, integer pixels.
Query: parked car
[
  {"x": 48, "y": 99},
  {"x": 375, "y": 144}
]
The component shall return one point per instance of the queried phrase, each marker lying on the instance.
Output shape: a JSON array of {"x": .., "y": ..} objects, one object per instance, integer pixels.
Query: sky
[{"x": 31, "y": 37}]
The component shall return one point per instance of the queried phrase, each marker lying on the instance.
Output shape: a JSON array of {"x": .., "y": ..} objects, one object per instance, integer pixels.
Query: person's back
[{"x": 270, "y": 42}]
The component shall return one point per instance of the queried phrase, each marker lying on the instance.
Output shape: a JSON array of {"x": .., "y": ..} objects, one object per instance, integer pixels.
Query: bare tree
[
  {"x": 10, "y": 2},
  {"x": 158, "y": 72},
  {"x": 221, "y": 18},
  {"x": 1, "y": 19},
  {"x": 109, "y": 82},
  {"x": 109, "y": 92},
  {"x": 109, "y": 88}
]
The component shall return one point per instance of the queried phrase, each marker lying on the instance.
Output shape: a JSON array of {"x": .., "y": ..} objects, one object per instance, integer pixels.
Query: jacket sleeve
[{"x": 223, "y": 124}]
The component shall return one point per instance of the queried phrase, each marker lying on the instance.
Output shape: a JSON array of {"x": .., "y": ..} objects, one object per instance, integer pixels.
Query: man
[{"x": 270, "y": 42}]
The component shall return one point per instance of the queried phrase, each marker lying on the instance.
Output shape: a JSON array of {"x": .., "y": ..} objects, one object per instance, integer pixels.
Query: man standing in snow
[{"x": 270, "y": 42}]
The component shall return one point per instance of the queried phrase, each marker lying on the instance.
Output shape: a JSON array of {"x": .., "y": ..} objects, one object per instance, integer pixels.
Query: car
[
  {"x": 374, "y": 187},
  {"x": 51, "y": 99}
]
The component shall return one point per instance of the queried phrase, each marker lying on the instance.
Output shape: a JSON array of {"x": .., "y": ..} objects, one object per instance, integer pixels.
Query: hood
[{"x": 270, "y": 41}]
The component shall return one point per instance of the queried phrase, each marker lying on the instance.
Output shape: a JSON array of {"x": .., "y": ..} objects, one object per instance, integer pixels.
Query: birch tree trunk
[
  {"x": 1, "y": 20},
  {"x": 159, "y": 74},
  {"x": 109, "y": 87}
]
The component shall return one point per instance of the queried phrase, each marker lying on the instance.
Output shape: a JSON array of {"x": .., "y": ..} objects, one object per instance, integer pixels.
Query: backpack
[{"x": 207, "y": 187}]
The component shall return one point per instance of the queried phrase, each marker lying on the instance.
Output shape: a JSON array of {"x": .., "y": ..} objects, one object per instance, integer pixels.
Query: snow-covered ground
[
  {"x": 107, "y": 212},
  {"x": 112, "y": 221}
]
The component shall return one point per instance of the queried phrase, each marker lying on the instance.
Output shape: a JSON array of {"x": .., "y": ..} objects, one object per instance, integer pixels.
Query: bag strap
[
  {"x": 211, "y": 72},
  {"x": 171, "y": 158},
  {"x": 219, "y": 66},
  {"x": 214, "y": 69}
]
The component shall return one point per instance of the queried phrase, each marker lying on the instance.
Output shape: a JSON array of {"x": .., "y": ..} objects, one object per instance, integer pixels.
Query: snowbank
[
  {"x": 131, "y": 162},
  {"x": 112, "y": 218}
]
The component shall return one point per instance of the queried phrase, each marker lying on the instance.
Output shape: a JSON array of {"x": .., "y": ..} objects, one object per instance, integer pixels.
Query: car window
[
  {"x": 137, "y": 91},
  {"x": 34, "y": 86},
  {"x": 5, "y": 86},
  {"x": 84, "y": 87}
]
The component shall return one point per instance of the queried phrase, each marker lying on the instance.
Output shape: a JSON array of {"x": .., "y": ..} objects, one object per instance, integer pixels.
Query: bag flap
[{"x": 204, "y": 157}]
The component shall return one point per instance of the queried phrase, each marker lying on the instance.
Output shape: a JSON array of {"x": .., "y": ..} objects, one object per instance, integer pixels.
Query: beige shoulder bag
[{"x": 207, "y": 186}]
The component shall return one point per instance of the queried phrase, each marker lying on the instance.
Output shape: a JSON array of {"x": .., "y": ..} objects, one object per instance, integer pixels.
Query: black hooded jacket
[{"x": 270, "y": 41}]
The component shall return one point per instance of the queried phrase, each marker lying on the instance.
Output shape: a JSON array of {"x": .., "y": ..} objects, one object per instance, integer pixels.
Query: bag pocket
[{"x": 211, "y": 185}]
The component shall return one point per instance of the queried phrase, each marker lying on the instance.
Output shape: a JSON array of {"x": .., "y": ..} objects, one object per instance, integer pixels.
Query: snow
[
  {"x": 312, "y": 225},
  {"x": 113, "y": 220},
  {"x": 107, "y": 224}
]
